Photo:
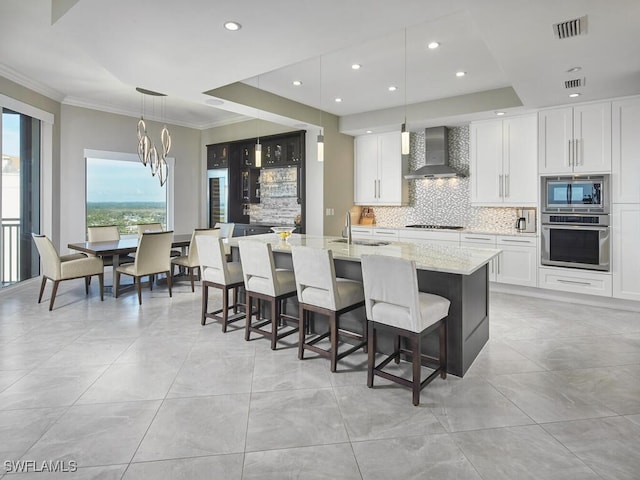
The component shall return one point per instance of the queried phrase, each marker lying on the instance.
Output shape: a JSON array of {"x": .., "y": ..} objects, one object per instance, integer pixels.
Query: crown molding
[{"x": 24, "y": 81}]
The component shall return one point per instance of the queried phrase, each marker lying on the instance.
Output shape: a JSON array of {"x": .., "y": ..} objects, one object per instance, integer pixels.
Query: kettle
[{"x": 521, "y": 224}]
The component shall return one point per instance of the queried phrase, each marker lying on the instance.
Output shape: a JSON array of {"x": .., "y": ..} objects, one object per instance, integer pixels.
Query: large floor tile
[
  {"x": 92, "y": 435},
  {"x": 384, "y": 413},
  {"x": 189, "y": 427},
  {"x": 294, "y": 418},
  {"x": 224, "y": 467},
  {"x": 49, "y": 387},
  {"x": 413, "y": 458},
  {"x": 311, "y": 463},
  {"x": 549, "y": 397},
  {"x": 9, "y": 377},
  {"x": 608, "y": 445},
  {"x": 523, "y": 453},
  {"x": 20, "y": 429},
  {"x": 89, "y": 352},
  {"x": 498, "y": 358},
  {"x": 281, "y": 370}
]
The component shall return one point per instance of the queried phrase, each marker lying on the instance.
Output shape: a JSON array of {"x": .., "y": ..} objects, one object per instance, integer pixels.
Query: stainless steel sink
[{"x": 368, "y": 243}]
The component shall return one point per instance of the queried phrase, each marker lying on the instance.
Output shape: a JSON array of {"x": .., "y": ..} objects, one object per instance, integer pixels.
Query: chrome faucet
[{"x": 346, "y": 232}]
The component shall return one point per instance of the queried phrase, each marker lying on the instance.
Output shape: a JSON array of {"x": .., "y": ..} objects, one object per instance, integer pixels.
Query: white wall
[{"x": 83, "y": 128}]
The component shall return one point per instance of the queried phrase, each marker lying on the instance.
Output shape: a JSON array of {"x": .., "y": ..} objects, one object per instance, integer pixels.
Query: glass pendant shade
[
  {"x": 321, "y": 148},
  {"x": 258, "y": 162},
  {"x": 404, "y": 139}
]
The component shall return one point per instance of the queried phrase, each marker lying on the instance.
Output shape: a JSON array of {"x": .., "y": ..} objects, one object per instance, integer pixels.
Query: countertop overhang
[{"x": 437, "y": 258}]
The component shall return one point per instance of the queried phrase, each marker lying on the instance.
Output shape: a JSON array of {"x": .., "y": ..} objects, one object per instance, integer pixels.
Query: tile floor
[{"x": 133, "y": 392}]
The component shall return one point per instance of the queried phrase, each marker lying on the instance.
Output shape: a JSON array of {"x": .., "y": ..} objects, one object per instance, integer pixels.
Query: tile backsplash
[
  {"x": 445, "y": 201},
  {"x": 278, "y": 197}
]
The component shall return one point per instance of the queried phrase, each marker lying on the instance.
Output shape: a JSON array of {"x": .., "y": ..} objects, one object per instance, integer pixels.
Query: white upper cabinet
[
  {"x": 379, "y": 170},
  {"x": 575, "y": 139},
  {"x": 625, "y": 174},
  {"x": 503, "y": 162}
]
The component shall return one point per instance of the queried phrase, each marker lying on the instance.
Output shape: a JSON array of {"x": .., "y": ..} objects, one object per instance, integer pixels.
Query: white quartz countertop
[
  {"x": 509, "y": 231},
  {"x": 438, "y": 258}
]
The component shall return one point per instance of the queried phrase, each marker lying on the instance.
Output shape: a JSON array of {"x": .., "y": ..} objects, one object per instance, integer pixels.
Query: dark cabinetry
[
  {"x": 243, "y": 230},
  {"x": 282, "y": 151},
  {"x": 218, "y": 155}
]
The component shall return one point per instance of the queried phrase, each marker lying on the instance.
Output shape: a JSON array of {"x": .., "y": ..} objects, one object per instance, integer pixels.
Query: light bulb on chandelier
[{"x": 147, "y": 150}]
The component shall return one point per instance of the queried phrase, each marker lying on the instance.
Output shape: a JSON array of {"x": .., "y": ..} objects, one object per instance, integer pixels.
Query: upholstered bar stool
[
  {"x": 394, "y": 304},
  {"x": 190, "y": 261},
  {"x": 264, "y": 282},
  {"x": 319, "y": 291},
  {"x": 218, "y": 273}
]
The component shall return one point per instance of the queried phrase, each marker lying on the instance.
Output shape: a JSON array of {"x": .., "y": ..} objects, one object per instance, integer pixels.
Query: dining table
[{"x": 124, "y": 246}]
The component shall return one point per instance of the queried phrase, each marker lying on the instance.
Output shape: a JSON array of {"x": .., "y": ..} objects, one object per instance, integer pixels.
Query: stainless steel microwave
[{"x": 577, "y": 194}]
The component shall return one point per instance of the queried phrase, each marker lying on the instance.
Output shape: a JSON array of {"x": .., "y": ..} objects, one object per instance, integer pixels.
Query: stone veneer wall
[
  {"x": 278, "y": 197},
  {"x": 445, "y": 201}
]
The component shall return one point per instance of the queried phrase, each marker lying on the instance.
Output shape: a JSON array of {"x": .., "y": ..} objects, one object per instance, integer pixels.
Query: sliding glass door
[{"x": 19, "y": 196}]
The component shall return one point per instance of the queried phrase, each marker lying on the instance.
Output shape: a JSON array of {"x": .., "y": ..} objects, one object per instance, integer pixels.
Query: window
[{"x": 121, "y": 191}]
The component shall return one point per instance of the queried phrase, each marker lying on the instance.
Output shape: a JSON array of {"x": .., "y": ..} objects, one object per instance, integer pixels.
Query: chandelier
[{"x": 147, "y": 150}]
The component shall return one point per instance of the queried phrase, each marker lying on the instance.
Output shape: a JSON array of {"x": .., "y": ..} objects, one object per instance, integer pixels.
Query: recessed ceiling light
[
  {"x": 433, "y": 45},
  {"x": 369, "y": 131},
  {"x": 574, "y": 69},
  {"x": 499, "y": 113},
  {"x": 393, "y": 88},
  {"x": 232, "y": 26},
  {"x": 574, "y": 95},
  {"x": 297, "y": 83},
  {"x": 460, "y": 74},
  {"x": 356, "y": 66},
  {"x": 338, "y": 100}
]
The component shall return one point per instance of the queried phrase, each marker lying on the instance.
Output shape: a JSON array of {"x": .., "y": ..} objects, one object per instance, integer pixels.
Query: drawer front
[
  {"x": 481, "y": 239},
  {"x": 589, "y": 283},
  {"x": 361, "y": 232},
  {"x": 385, "y": 233},
  {"x": 440, "y": 236},
  {"x": 517, "y": 241}
]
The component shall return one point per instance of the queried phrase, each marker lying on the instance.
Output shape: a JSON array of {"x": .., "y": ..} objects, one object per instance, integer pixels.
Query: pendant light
[
  {"x": 321, "y": 134},
  {"x": 404, "y": 133},
  {"x": 258, "y": 151}
]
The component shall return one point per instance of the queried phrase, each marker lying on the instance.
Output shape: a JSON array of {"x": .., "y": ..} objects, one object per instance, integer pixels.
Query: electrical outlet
[{"x": 329, "y": 212}]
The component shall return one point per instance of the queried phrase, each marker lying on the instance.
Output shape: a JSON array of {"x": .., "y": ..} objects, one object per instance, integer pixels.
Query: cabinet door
[
  {"x": 487, "y": 180},
  {"x": 592, "y": 134},
  {"x": 555, "y": 140},
  {"x": 517, "y": 265},
  {"x": 390, "y": 174},
  {"x": 626, "y": 261},
  {"x": 366, "y": 170},
  {"x": 520, "y": 165},
  {"x": 626, "y": 151}
]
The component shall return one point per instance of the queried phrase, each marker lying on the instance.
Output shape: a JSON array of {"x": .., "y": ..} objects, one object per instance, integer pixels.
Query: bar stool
[
  {"x": 394, "y": 304},
  {"x": 191, "y": 262},
  {"x": 319, "y": 291},
  {"x": 263, "y": 281},
  {"x": 218, "y": 273}
]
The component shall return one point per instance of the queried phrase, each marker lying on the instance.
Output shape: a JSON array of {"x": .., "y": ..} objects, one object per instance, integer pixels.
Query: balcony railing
[{"x": 10, "y": 251}]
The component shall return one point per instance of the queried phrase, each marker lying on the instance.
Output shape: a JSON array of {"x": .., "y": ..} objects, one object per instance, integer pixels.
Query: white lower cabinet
[
  {"x": 626, "y": 259},
  {"x": 477, "y": 240},
  {"x": 362, "y": 232},
  {"x": 385, "y": 234},
  {"x": 436, "y": 237},
  {"x": 518, "y": 261},
  {"x": 575, "y": 280}
]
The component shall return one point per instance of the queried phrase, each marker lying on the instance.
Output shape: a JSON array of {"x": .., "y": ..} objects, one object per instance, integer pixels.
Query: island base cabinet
[
  {"x": 626, "y": 260},
  {"x": 576, "y": 281}
]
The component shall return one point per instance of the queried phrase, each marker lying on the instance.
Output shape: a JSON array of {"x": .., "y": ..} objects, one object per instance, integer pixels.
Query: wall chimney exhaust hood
[{"x": 436, "y": 156}]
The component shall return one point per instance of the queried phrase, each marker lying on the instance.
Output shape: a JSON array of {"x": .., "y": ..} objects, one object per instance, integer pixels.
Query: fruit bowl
[{"x": 283, "y": 232}]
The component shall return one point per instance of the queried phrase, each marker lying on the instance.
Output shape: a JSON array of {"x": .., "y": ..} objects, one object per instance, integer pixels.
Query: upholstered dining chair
[
  {"x": 226, "y": 229},
  {"x": 153, "y": 228},
  {"x": 191, "y": 262},
  {"x": 66, "y": 267},
  {"x": 263, "y": 282},
  {"x": 321, "y": 292},
  {"x": 394, "y": 303},
  {"x": 107, "y": 233},
  {"x": 152, "y": 257},
  {"x": 217, "y": 272}
]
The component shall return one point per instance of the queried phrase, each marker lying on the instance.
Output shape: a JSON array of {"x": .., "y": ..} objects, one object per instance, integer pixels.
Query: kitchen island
[{"x": 457, "y": 273}]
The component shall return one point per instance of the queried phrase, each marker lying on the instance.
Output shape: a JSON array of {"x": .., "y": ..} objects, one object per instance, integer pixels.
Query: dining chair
[
  {"x": 107, "y": 233},
  {"x": 321, "y": 292},
  {"x": 58, "y": 268},
  {"x": 263, "y": 282},
  {"x": 153, "y": 228},
  {"x": 191, "y": 261},
  {"x": 152, "y": 258},
  {"x": 226, "y": 229},
  {"x": 217, "y": 272},
  {"x": 394, "y": 303}
]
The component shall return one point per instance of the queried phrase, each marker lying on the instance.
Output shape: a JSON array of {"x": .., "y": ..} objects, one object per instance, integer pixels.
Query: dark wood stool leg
[
  {"x": 44, "y": 282},
  {"x": 205, "y": 303},
  {"x": 415, "y": 356},
  {"x": 396, "y": 348},
  {"x": 235, "y": 300},
  {"x": 275, "y": 321},
  {"x": 301, "y": 331},
  {"x": 193, "y": 288},
  {"x": 225, "y": 308},
  {"x": 249, "y": 315},
  {"x": 138, "y": 282},
  {"x": 53, "y": 293},
  {"x": 169, "y": 283},
  {"x": 87, "y": 279},
  {"x": 101, "y": 280},
  {"x": 371, "y": 354},
  {"x": 333, "y": 334}
]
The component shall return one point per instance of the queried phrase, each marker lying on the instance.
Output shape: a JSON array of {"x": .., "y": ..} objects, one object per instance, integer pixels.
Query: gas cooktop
[{"x": 435, "y": 227}]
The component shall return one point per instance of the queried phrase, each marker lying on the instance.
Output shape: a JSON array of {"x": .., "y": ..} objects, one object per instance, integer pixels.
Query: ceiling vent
[
  {"x": 571, "y": 28},
  {"x": 575, "y": 83}
]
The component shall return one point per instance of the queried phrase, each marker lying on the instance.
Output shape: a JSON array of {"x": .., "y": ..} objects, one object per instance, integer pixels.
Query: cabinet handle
[
  {"x": 577, "y": 152},
  {"x": 515, "y": 241},
  {"x": 492, "y": 263},
  {"x": 498, "y": 260},
  {"x": 500, "y": 185},
  {"x": 379, "y": 193},
  {"x": 375, "y": 189},
  {"x": 573, "y": 282},
  {"x": 507, "y": 190},
  {"x": 478, "y": 238},
  {"x": 570, "y": 154},
  {"x": 385, "y": 233}
]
